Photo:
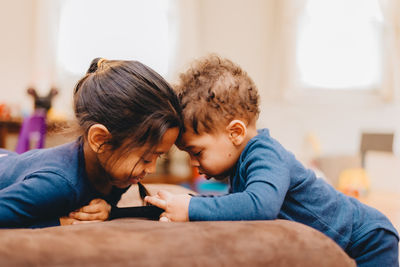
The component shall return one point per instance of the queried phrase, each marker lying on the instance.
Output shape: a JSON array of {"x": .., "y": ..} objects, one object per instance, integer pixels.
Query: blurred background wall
[{"x": 51, "y": 42}]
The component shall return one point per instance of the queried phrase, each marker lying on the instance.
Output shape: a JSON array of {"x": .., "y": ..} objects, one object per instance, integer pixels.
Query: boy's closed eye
[
  {"x": 197, "y": 154},
  {"x": 163, "y": 156}
]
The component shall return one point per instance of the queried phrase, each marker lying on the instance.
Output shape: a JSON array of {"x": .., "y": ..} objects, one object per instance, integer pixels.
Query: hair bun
[{"x": 94, "y": 65}]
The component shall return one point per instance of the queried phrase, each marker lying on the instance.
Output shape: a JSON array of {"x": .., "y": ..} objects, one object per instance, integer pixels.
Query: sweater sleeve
[
  {"x": 266, "y": 179},
  {"x": 37, "y": 201}
]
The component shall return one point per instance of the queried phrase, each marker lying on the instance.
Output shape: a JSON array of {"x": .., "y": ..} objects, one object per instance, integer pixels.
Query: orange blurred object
[
  {"x": 5, "y": 112},
  {"x": 354, "y": 182}
]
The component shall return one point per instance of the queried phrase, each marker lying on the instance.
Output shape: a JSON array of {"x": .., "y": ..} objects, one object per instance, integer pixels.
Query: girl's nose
[{"x": 151, "y": 167}]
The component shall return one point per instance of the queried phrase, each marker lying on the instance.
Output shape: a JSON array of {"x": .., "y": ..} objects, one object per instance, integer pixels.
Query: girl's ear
[
  {"x": 237, "y": 131},
  {"x": 97, "y": 136}
]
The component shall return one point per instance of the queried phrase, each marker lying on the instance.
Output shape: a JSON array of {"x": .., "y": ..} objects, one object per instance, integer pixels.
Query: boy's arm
[
  {"x": 175, "y": 206},
  {"x": 265, "y": 184},
  {"x": 37, "y": 201},
  {"x": 267, "y": 180}
]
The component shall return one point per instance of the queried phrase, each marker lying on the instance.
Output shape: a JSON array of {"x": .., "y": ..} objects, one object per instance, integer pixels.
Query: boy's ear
[
  {"x": 97, "y": 136},
  {"x": 237, "y": 131}
]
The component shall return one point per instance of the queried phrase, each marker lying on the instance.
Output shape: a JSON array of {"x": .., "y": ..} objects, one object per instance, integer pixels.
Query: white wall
[
  {"x": 16, "y": 58},
  {"x": 243, "y": 30}
]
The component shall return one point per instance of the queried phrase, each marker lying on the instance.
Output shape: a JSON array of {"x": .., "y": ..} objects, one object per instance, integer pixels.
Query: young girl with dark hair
[{"x": 128, "y": 116}]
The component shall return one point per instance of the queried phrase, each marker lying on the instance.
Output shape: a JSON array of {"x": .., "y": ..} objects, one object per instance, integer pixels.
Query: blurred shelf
[
  {"x": 13, "y": 126},
  {"x": 166, "y": 179}
]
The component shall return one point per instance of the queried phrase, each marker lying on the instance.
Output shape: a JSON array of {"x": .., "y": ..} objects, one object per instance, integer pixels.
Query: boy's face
[{"x": 214, "y": 154}]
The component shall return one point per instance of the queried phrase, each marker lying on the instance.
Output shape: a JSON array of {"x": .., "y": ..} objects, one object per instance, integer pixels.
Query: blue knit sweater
[
  {"x": 269, "y": 183},
  {"x": 39, "y": 186}
]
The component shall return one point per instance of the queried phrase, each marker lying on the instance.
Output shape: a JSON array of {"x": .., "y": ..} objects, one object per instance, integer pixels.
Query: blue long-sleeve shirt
[
  {"x": 268, "y": 182},
  {"x": 39, "y": 186}
]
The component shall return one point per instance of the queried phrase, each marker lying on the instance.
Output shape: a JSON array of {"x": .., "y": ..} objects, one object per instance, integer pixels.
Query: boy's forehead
[
  {"x": 190, "y": 139},
  {"x": 187, "y": 138}
]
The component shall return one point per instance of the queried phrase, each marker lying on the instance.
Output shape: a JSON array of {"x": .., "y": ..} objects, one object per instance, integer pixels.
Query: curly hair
[{"x": 214, "y": 91}]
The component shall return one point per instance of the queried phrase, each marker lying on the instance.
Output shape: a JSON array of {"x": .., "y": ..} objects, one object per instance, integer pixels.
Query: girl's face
[{"x": 129, "y": 167}]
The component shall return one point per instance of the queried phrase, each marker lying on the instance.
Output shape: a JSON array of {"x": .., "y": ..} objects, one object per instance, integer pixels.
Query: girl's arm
[
  {"x": 37, "y": 201},
  {"x": 97, "y": 210}
]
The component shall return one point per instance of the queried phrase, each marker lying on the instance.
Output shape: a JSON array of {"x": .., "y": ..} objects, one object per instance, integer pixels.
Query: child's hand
[
  {"x": 98, "y": 210},
  {"x": 176, "y": 206}
]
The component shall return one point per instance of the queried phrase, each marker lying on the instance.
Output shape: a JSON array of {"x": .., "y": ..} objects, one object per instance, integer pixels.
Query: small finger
[
  {"x": 151, "y": 200},
  {"x": 147, "y": 197},
  {"x": 163, "y": 194},
  {"x": 83, "y": 216},
  {"x": 94, "y": 208},
  {"x": 156, "y": 202},
  {"x": 164, "y": 219},
  {"x": 90, "y": 208},
  {"x": 96, "y": 201},
  {"x": 164, "y": 214},
  {"x": 67, "y": 221}
]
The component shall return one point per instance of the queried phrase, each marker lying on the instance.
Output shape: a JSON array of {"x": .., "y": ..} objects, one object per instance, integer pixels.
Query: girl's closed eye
[{"x": 145, "y": 161}]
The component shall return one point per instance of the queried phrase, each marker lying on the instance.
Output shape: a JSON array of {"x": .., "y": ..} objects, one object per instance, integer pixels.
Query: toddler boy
[{"x": 220, "y": 106}]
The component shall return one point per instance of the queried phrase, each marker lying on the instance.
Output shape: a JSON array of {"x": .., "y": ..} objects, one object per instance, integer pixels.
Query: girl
[{"x": 128, "y": 116}]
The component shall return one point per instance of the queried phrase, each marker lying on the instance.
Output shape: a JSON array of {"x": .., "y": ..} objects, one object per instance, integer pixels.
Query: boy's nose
[{"x": 194, "y": 162}]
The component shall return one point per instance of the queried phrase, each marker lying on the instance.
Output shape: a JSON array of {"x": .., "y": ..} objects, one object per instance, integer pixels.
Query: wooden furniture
[
  {"x": 13, "y": 126},
  {"x": 8, "y": 127}
]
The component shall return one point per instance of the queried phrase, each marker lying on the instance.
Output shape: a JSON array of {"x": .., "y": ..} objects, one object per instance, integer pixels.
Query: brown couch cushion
[
  {"x": 135, "y": 242},
  {"x": 130, "y": 242}
]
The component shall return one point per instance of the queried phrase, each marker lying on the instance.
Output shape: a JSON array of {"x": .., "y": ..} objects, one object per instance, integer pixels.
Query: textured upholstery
[{"x": 136, "y": 242}]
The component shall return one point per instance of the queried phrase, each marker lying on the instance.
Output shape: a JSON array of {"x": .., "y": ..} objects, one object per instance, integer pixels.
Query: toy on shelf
[
  {"x": 5, "y": 112},
  {"x": 33, "y": 129}
]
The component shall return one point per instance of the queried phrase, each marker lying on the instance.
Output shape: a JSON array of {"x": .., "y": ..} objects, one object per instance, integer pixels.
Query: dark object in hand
[{"x": 148, "y": 212}]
